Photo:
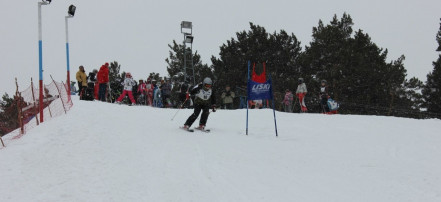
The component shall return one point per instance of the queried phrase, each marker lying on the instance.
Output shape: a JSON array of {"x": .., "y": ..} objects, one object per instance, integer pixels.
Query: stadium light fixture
[
  {"x": 189, "y": 39},
  {"x": 188, "y": 26},
  {"x": 71, "y": 10}
]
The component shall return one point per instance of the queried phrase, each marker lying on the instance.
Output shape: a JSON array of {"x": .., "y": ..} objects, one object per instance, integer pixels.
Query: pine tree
[
  {"x": 8, "y": 115},
  {"x": 432, "y": 89},
  {"x": 280, "y": 51},
  {"x": 154, "y": 77},
  {"x": 175, "y": 65},
  {"x": 356, "y": 69},
  {"x": 115, "y": 79}
]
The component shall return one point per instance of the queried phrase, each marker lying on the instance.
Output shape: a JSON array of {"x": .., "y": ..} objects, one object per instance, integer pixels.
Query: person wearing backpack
[
  {"x": 287, "y": 101},
  {"x": 301, "y": 93}
]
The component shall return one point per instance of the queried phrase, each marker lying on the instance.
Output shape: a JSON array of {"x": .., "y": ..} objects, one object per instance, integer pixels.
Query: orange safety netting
[{"x": 23, "y": 114}]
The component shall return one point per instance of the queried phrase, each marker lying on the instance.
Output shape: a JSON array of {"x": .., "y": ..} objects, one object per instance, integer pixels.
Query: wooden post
[
  {"x": 2, "y": 141},
  {"x": 35, "y": 104},
  {"x": 59, "y": 94},
  {"x": 20, "y": 116},
  {"x": 46, "y": 99}
]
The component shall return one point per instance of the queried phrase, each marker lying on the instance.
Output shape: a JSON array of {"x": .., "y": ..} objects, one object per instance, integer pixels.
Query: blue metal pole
[
  {"x": 248, "y": 80},
  {"x": 40, "y": 59},
  {"x": 274, "y": 106}
]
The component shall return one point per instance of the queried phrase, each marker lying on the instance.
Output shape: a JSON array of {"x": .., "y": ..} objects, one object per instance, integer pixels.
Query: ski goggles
[{"x": 207, "y": 85}]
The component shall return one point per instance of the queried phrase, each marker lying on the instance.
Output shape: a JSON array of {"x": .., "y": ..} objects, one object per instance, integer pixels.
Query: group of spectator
[
  {"x": 146, "y": 93},
  {"x": 95, "y": 85},
  {"x": 301, "y": 91}
]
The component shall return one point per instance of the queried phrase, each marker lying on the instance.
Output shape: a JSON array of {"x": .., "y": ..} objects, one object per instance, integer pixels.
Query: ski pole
[
  {"x": 180, "y": 107},
  {"x": 294, "y": 105}
]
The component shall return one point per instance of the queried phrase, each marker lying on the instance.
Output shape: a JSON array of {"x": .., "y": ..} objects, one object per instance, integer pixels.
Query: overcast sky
[{"x": 136, "y": 33}]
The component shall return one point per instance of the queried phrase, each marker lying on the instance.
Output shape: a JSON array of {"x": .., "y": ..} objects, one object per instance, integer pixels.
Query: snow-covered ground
[{"x": 108, "y": 152}]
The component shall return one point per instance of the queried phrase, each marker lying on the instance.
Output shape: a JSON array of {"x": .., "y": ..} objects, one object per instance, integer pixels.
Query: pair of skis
[{"x": 192, "y": 130}]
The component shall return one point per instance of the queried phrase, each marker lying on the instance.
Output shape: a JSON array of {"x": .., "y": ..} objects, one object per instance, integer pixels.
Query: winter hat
[
  {"x": 208, "y": 81},
  {"x": 107, "y": 64}
]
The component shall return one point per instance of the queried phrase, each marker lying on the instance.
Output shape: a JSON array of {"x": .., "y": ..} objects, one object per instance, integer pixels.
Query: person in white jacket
[
  {"x": 301, "y": 93},
  {"x": 128, "y": 85}
]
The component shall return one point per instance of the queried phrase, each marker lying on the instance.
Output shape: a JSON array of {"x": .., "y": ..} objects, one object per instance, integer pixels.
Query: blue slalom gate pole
[
  {"x": 249, "y": 64},
  {"x": 274, "y": 112},
  {"x": 274, "y": 107}
]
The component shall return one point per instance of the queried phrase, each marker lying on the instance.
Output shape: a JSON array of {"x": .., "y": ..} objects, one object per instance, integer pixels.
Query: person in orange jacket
[
  {"x": 301, "y": 93},
  {"x": 103, "y": 79}
]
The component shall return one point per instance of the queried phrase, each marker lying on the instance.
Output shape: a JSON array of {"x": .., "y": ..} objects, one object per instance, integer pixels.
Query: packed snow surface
[{"x": 109, "y": 152}]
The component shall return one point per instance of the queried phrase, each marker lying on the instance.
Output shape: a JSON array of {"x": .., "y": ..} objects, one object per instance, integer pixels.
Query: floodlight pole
[
  {"x": 192, "y": 67},
  {"x": 67, "y": 54},
  {"x": 40, "y": 58},
  {"x": 187, "y": 25},
  {"x": 185, "y": 59}
]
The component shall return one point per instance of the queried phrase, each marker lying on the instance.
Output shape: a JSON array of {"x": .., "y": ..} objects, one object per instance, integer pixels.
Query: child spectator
[
  {"x": 301, "y": 93},
  {"x": 128, "y": 85},
  {"x": 287, "y": 101}
]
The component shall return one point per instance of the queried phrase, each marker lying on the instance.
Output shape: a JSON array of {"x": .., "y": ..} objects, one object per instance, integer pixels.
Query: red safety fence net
[{"x": 21, "y": 113}]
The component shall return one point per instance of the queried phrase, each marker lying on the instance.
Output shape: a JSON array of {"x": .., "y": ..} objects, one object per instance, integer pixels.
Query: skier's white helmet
[{"x": 208, "y": 81}]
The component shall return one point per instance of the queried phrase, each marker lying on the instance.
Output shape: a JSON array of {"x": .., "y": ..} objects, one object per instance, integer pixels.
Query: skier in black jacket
[{"x": 204, "y": 100}]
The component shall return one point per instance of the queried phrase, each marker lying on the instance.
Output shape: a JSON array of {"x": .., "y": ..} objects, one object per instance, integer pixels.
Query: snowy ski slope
[{"x": 108, "y": 152}]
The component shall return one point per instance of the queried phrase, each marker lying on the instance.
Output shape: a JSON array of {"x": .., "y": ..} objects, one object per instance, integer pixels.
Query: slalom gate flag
[{"x": 260, "y": 91}]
